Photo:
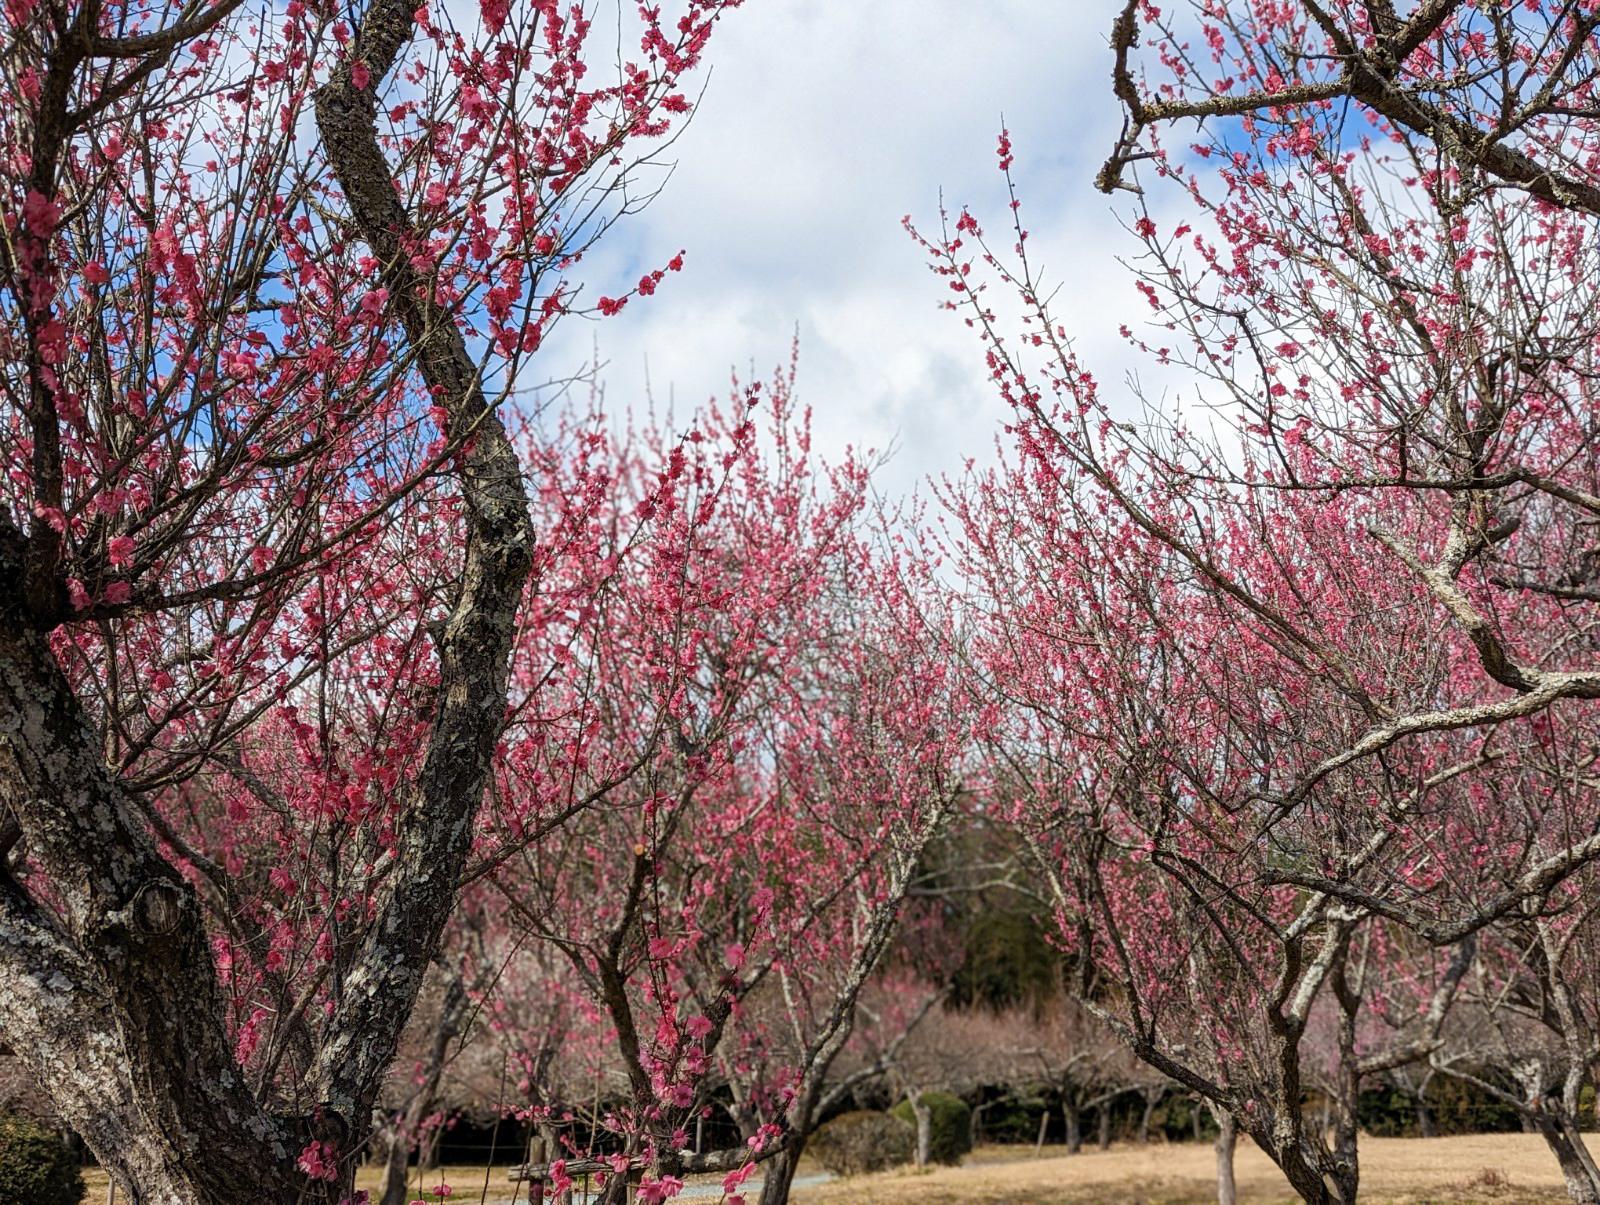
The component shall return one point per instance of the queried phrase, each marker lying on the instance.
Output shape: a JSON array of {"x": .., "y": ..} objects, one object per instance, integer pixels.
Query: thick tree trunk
[
  {"x": 110, "y": 998},
  {"x": 1577, "y": 1167},
  {"x": 1302, "y": 1163},
  {"x": 1227, "y": 1141},
  {"x": 391, "y": 1137},
  {"x": 778, "y": 1174},
  {"x": 1104, "y": 1123}
]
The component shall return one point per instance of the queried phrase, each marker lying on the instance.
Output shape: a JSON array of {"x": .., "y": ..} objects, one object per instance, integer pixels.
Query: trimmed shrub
[
  {"x": 37, "y": 1165},
  {"x": 853, "y": 1144},
  {"x": 950, "y": 1125}
]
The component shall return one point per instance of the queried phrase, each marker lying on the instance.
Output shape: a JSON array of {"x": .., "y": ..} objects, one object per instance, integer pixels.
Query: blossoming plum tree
[
  {"x": 768, "y": 843},
  {"x": 1269, "y": 676},
  {"x": 269, "y": 278}
]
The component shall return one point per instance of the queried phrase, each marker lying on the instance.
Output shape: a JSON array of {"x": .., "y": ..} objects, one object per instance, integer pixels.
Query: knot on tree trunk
[
  {"x": 329, "y": 1125},
  {"x": 157, "y": 908}
]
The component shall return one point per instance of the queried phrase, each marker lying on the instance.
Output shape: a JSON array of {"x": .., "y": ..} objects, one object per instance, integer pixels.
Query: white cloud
[{"x": 823, "y": 124}]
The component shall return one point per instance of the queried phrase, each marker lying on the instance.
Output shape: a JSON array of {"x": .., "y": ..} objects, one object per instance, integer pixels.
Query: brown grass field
[
  {"x": 1509, "y": 1169},
  {"x": 1512, "y": 1169}
]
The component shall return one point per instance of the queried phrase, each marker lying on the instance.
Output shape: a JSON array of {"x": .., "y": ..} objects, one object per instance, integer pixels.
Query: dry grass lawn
[
  {"x": 1511, "y": 1169},
  {"x": 1508, "y": 1169}
]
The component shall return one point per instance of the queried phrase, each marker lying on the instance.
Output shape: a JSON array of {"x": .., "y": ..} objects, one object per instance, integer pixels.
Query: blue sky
[{"x": 823, "y": 123}]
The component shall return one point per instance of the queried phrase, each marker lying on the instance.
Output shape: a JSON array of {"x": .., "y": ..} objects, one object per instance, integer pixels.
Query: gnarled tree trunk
[{"x": 111, "y": 996}]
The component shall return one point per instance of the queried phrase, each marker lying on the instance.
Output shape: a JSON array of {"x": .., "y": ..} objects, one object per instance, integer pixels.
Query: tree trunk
[
  {"x": 428, "y": 1150},
  {"x": 1074, "y": 1130},
  {"x": 1303, "y": 1163},
  {"x": 392, "y": 1139},
  {"x": 110, "y": 998},
  {"x": 1577, "y": 1168},
  {"x": 1152, "y": 1098},
  {"x": 1044, "y": 1124},
  {"x": 618, "y": 1189},
  {"x": 1227, "y": 1140},
  {"x": 1425, "y": 1126},
  {"x": 1104, "y": 1122},
  {"x": 778, "y": 1174},
  {"x": 401, "y": 1133},
  {"x": 924, "y": 1115},
  {"x": 537, "y": 1151}
]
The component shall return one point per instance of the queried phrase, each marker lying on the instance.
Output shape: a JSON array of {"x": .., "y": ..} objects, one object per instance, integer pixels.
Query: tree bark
[
  {"x": 111, "y": 998},
  {"x": 1577, "y": 1168},
  {"x": 1227, "y": 1140},
  {"x": 1103, "y": 1121},
  {"x": 778, "y": 1178},
  {"x": 1302, "y": 1163}
]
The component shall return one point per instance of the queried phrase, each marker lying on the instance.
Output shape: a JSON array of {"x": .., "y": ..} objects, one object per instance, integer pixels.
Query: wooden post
[{"x": 1044, "y": 1121}]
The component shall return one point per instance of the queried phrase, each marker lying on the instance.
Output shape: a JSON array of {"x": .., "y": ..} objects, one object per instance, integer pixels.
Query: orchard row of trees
[{"x": 332, "y": 650}]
